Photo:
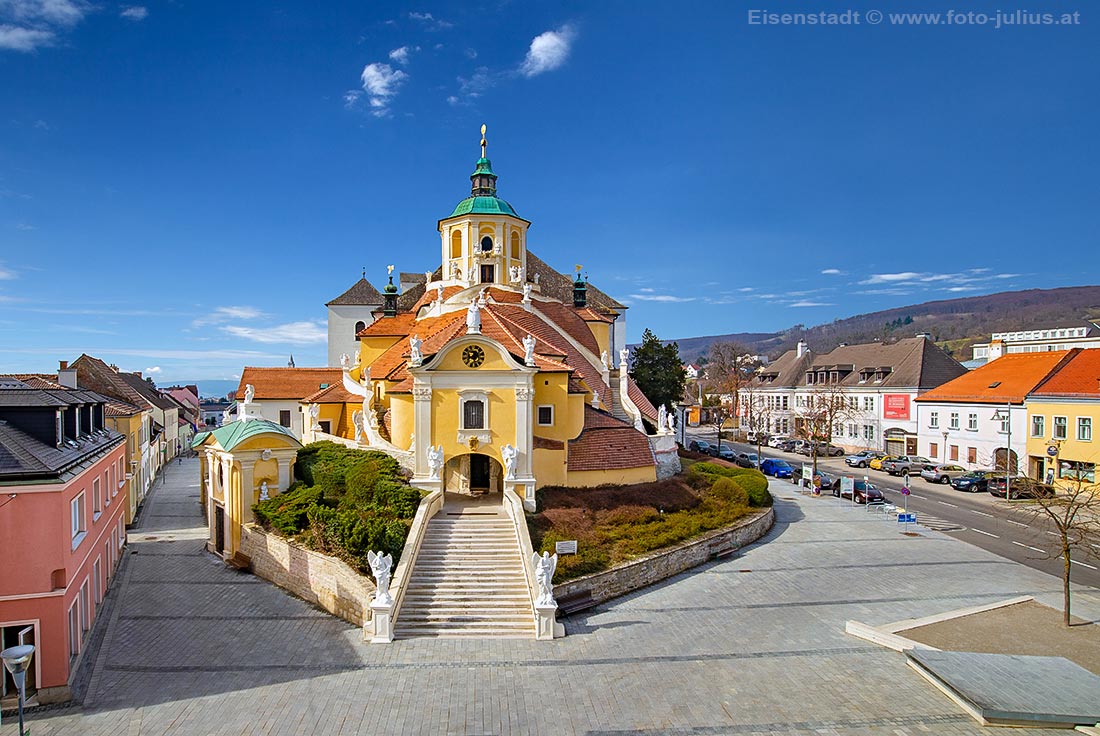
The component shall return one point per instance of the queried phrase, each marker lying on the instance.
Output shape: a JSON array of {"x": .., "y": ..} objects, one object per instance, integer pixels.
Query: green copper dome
[{"x": 483, "y": 206}]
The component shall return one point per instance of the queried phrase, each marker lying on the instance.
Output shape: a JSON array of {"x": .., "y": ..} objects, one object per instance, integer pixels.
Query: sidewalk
[{"x": 751, "y": 644}]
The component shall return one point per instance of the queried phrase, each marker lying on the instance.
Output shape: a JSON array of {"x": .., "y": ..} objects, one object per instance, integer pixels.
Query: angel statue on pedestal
[
  {"x": 544, "y": 576},
  {"x": 380, "y": 565}
]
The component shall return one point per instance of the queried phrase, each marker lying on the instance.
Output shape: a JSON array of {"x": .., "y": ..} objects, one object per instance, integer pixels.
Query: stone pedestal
[
  {"x": 382, "y": 620},
  {"x": 546, "y": 624}
]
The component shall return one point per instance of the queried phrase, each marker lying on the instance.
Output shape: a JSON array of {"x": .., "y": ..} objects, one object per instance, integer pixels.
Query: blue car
[{"x": 777, "y": 468}]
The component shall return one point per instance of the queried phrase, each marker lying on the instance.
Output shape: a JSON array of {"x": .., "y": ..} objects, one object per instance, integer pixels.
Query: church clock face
[{"x": 473, "y": 356}]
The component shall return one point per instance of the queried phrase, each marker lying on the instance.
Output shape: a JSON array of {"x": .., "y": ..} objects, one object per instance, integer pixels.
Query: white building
[
  {"x": 347, "y": 315},
  {"x": 1043, "y": 340},
  {"x": 277, "y": 393}
]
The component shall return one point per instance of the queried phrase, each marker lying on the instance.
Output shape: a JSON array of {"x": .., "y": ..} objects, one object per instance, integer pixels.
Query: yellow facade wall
[
  {"x": 552, "y": 389},
  {"x": 401, "y": 420},
  {"x": 501, "y": 420},
  {"x": 371, "y": 348},
  {"x": 1071, "y": 448},
  {"x": 602, "y": 332},
  {"x": 618, "y": 476},
  {"x": 131, "y": 427},
  {"x": 549, "y": 467}
]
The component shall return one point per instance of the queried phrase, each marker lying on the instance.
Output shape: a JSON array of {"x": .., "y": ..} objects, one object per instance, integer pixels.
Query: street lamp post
[
  {"x": 1006, "y": 418},
  {"x": 16, "y": 661},
  {"x": 944, "y": 455}
]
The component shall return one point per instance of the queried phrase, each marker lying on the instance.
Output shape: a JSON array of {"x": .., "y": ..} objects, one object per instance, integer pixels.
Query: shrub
[
  {"x": 729, "y": 490},
  {"x": 286, "y": 512}
]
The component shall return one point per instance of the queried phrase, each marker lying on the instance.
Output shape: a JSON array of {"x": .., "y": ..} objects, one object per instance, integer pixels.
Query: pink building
[{"x": 62, "y": 525}]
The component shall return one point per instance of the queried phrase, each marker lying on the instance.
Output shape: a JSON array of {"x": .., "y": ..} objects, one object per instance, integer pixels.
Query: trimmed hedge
[
  {"x": 614, "y": 524},
  {"x": 345, "y": 502}
]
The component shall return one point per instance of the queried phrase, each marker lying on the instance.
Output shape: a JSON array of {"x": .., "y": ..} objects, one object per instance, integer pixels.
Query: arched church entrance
[{"x": 473, "y": 474}]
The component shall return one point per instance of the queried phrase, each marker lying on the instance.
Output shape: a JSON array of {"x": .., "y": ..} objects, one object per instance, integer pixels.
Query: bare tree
[
  {"x": 730, "y": 368},
  {"x": 1073, "y": 510},
  {"x": 823, "y": 408},
  {"x": 756, "y": 413}
]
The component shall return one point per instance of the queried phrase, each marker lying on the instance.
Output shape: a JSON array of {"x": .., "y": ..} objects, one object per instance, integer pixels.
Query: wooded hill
[{"x": 955, "y": 324}]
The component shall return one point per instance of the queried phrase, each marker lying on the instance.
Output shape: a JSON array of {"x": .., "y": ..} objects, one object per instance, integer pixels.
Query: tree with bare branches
[
  {"x": 1073, "y": 510},
  {"x": 730, "y": 368},
  {"x": 824, "y": 407}
]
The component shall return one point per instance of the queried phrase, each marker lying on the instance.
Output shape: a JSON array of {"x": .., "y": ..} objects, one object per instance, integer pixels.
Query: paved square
[{"x": 754, "y": 644}]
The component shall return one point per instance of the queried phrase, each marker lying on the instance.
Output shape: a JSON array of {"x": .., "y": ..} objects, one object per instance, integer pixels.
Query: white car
[{"x": 777, "y": 440}]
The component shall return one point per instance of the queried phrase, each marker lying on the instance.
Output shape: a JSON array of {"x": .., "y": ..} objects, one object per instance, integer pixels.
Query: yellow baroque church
[{"x": 493, "y": 371}]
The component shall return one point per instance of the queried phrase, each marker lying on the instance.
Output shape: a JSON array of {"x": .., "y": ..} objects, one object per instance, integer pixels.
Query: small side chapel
[{"x": 495, "y": 371}]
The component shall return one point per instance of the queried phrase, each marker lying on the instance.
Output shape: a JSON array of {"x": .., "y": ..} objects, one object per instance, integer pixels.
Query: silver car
[{"x": 942, "y": 473}]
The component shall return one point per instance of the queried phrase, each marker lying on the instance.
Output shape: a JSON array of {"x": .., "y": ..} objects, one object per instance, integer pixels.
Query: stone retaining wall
[
  {"x": 603, "y": 586},
  {"x": 322, "y": 580}
]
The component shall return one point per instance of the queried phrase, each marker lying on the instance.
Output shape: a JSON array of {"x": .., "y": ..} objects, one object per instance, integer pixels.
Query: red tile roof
[
  {"x": 608, "y": 448},
  {"x": 334, "y": 394},
  {"x": 1078, "y": 377},
  {"x": 287, "y": 383},
  {"x": 1008, "y": 379}
]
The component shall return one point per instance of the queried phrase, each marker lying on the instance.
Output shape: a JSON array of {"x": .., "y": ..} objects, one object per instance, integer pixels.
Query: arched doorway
[
  {"x": 473, "y": 474},
  {"x": 999, "y": 460}
]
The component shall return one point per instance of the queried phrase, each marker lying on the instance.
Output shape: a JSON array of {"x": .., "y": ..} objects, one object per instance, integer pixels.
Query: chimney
[
  {"x": 925, "y": 335},
  {"x": 996, "y": 349},
  {"x": 137, "y": 373},
  {"x": 801, "y": 348},
  {"x": 66, "y": 376},
  {"x": 114, "y": 367}
]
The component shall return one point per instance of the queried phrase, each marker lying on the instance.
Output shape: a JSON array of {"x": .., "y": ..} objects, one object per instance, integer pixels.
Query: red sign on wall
[{"x": 895, "y": 406}]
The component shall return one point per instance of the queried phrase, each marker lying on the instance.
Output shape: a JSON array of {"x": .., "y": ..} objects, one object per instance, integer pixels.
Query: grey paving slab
[
  {"x": 1017, "y": 688},
  {"x": 753, "y": 644}
]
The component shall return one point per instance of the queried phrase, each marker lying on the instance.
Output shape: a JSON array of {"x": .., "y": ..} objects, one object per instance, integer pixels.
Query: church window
[
  {"x": 486, "y": 243},
  {"x": 284, "y": 417},
  {"x": 515, "y": 245},
  {"x": 473, "y": 415},
  {"x": 456, "y": 244},
  {"x": 546, "y": 416},
  {"x": 359, "y": 327}
]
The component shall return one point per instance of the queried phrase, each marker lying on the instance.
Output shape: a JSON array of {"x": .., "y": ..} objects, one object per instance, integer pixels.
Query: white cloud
[
  {"x": 662, "y": 298},
  {"x": 351, "y": 97},
  {"x": 25, "y": 226},
  {"x": 136, "y": 12},
  {"x": 890, "y": 278},
  {"x": 6, "y": 274},
  {"x": 832, "y": 272},
  {"x": 221, "y": 315},
  {"x": 431, "y": 22},
  {"x": 292, "y": 332},
  {"x": 153, "y": 370},
  {"x": 746, "y": 289},
  {"x": 548, "y": 51},
  {"x": 471, "y": 53},
  {"x": 381, "y": 82},
  {"x": 452, "y": 100},
  {"x": 401, "y": 55},
  {"x": 809, "y": 304},
  {"x": 13, "y": 38},
  {"x": 963, "y": 288}
]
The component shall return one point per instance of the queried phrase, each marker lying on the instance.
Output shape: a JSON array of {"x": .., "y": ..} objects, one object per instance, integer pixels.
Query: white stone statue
[
  {"x": 345, "y": 361},
  {"x": 439, "y": 293},
  {"x": 263, "y": 491},
  {"x": 535, "y": 278},
  {"x": 435, "y": 462},
  {"x": 527, "y": 292},
  {"x": 662, "y": 419},
  {"x": 595, "y": 399},
  {"x": 483, "y": 297},
  {"x": 605, "y": 360},
  {"x": 380, "y": 565},
  {"x": 513, "y": 274},
  {"x": 412, "y": 443},
  {"x": 544, "y": 576},
  {"x": 249, "y": 393},
  {"x": 427, "y": 277},
  {"x": 473, "y": 319},
  {"x": 314, "y": 412},
  {"x": 456, "y": 272},
  {"x": 508, "y": 454},
  {"x": 671, "y": 423},
  {"x": 357, "y": 422},
  {"x": 364, "y": 376},
  {"x": 415, "y": 358},
  {"x": 624, "y": 354},
  {"x": 528, "y": 350}
]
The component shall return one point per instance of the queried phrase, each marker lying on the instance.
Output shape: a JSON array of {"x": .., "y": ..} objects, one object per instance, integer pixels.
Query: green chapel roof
[
  {"x": 232, "y": 434},
  {"x": 483, "y": 206}
]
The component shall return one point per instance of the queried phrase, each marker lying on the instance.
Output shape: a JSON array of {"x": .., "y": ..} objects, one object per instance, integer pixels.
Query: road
[{"x": 1003, "y": 528}]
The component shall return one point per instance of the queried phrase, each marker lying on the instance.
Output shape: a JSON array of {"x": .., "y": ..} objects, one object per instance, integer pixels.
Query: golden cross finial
[
  {"x": 389, "y": 269},
  {"x": 578, "y": 267},
  {"x": 483, "y": 140}
]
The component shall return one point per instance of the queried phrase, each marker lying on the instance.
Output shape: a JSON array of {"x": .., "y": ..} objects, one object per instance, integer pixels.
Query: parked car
[
  {"x": 777, "y": 441},
  {"x": 788, "y": 445},
  {"x": 747, "y": 459},
  {"x": 1020, "y": 486},
  {"x": 863, "y": 491},
  {"x": 777, "y": 468},
  {"x": 863, "y": 458},
  {"x": 942, "y": 473},
  {"x": 699, "y": 446},
  {"x": 725, "y": 452},
  {"x": 975, "y": 481},
  {"x": 876, "y": 463},
  {"x": 905, "y": 464},
  {"x": 827, "y": 450},
  {"x": 754, "y": 438},
  {"x": 821, "y": 479}
]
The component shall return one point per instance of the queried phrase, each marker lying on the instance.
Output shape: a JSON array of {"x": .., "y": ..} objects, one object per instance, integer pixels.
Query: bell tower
[{"x": 483, "y": 240}]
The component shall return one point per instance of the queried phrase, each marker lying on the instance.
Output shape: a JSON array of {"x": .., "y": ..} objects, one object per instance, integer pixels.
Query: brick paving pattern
[{"x": 753, "y": 644}]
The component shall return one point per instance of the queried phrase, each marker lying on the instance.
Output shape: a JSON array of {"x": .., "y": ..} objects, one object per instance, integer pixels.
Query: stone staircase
[
  {"x": 616, "y": 404},
  {"x": 468, "y": 579}
]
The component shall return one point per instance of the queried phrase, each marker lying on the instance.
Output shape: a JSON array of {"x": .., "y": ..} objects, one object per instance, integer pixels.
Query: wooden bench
[{"x": 578, "y": 601}]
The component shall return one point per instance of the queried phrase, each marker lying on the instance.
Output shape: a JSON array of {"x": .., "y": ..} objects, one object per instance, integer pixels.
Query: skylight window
[{"x": 995, "y": 384}]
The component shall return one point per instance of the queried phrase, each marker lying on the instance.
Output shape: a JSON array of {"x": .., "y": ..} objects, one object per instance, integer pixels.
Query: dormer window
[
  {"x": 834, "y": 377},
  {"x": 809, "y": 379}
]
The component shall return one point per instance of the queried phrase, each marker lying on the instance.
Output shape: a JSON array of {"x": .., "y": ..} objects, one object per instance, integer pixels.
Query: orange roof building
[
  {"x": 493, "y": 371},
  {"x": 1063, "y": 418},
  {"x": 979, "y": 418}
]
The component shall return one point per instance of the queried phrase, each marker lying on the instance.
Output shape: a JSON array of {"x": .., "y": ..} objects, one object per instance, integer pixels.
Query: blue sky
[{"x": 184, "y": 185}]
